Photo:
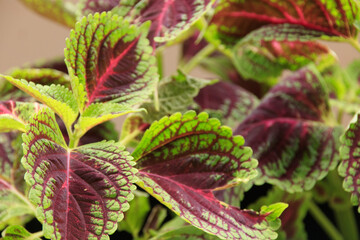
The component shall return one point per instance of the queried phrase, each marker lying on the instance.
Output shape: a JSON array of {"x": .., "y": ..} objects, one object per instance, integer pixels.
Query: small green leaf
[
  {"x": 17, "y": 232},
  {"x": 175, "y": 94},
  {"x": 57, "y": 97},
  {"x": 98, "y": 113}
]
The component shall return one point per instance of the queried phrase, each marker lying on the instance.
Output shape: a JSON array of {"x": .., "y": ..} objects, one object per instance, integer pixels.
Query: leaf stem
[
  {"x": 206, "y": 51},
  {"x": 130, "y": 137},
  {"x": 156, "y": 97},
  {"x": 325, "y": 223},
  {"x": 159, "y": 58}
]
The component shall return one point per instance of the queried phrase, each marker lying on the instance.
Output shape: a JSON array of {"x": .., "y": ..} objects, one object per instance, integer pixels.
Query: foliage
[{"x": 195, "y": 148}]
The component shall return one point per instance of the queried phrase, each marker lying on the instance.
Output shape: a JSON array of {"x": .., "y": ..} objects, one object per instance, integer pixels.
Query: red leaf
[
  {"x": 293, "y": 147},
  {"x": 237, "y": 18}
]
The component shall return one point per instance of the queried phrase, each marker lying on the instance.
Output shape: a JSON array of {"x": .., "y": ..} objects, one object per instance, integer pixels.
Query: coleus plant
[{"x": 197, "y": 147}]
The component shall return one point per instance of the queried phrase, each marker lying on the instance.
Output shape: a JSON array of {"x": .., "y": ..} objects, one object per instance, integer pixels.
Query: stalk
[{"x": 206, "y": 51}]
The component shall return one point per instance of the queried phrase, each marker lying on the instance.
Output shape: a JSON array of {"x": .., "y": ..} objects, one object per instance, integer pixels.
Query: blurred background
[{"x": 27, "y": 37}]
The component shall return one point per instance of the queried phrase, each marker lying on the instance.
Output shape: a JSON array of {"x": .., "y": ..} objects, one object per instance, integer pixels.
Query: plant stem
[
  {"x": 325, "y": 223},
  {"x": 156, "y": 97},
  {"x": 343, "y": 211},
  {"x": 354, "y": 43},
  {"x": 130, "y": 137},
  {"x": 206, "y": 51},
  {"x": 159, "y": 57},
  {"x": 36, "y": 235}
]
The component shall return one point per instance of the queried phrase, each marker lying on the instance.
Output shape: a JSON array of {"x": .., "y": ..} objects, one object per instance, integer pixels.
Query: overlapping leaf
[
  {"x": 43, "y": 76},
  {"x": 168, "y": 18},
  {"x": 109, "y": 59},
  {"x": 56, "y": 97},
  {"x": 267, "y": 59},
  {"x": 182, "y": 159},
  {"x": 349, "y": 167},
  {"x": 58, "y": 10},
  {"x": 292, "y": 225},
  {"x": 81, "y": 193},
  {"x": 17, "y": 232},
  {"x": 175, "y": 94},
  {"x": 236, "y": 18},
  {"x": 293, "y": 147},
  {"x": 133, "y": 129},
  {"x": 227, "y": 102},
  {"x": 15, "y": 115}
]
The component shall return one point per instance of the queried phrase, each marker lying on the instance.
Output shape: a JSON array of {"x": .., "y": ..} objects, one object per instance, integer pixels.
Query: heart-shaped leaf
[
  {"x": 293, "y": 147},
  {"x": 109, "y": 59},
  {"x": 15, "y": 115},
  {"x": 227, "y": 102},
  {"x": 81, "y": 193},
  {"x": 182, "y": 159},
  {"x": 237, "y": 18},
  {"x": 58, "y": 10},
  {"x": 168, "y": 18},
  {"x": 349, "y": 167}
]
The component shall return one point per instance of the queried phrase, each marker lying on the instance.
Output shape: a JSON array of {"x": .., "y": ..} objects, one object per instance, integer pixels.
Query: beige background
[{"x": 25, "y": 37}]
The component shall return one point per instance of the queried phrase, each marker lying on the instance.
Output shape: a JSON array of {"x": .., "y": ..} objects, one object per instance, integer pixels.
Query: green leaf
[
  {"x": 186, "y": 232},
  {"x": 43, "y": 76},
  {"x": 15, "y": 115},
  {"x": 80, "y": 193},
  {"x": 12, "y": 208},
  {"x": 110, "y": 60},
  {"x": 17, "y": 232},
  {"x": 57, "y": 97},
  {"x": 175, "y": 94},
  {"x": 98, "y": 113},
  {"x": 135, "y": 217},
  {"x": 61, "y": 11}
]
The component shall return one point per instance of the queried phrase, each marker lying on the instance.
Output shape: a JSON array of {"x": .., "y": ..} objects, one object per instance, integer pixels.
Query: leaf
[
  {"x": 349, "y": 166},
  {"x": 294, "y": 148},
  {"x": 12, "y": 208},
  {"x": 57, "y": 10},
  {"x": 98, "y": 113},
  {"x": 57, "y": 97},
  {"x": 135, "y": 217},
  {"x": 184, "y": 233},
  {"x": 268, "y": 59},
  {"x": 227, "y": 102},
  {"x": 7, "y": 153},
  {"x": 17, "y": 232},
  {"x": 236, "y": 18},
  {"x": 133, "y": 125},
  {"x": 175, "y": 94},
  {"x": 110, "y": 60},
  {"x": 81, "y": 193},
  {"x": 292, "y": 225},
  {"x": 168, "y": 18},
  {"x": 14, "y": 115},
  {"x": 43, "y": 76},
  {"x": 204, "y": 156}
]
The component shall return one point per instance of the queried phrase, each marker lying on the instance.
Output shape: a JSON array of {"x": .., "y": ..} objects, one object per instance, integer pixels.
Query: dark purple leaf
[
  {"x": 293, "y": 147},
  {"x": 226, "y": 101},
  {"x": 81, "y": 193}
]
